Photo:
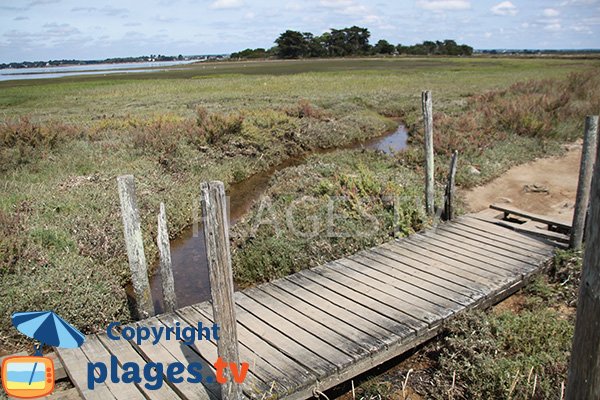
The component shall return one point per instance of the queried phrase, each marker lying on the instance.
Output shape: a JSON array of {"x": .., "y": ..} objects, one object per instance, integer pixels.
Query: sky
[{"x": 32, "y": 30}]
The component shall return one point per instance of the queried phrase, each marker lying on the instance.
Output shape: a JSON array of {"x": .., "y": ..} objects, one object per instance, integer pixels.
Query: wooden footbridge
[{"x": 310, "y": 331}]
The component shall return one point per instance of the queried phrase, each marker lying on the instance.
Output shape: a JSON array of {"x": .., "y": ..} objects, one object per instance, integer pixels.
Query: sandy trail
[{"x": 558, "y": 175}]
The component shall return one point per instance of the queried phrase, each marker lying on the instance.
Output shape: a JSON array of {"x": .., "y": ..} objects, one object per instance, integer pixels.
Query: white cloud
[
  {"x": 444, "y": 5},
  {"x": 553, "y": 27},
  {"x": 222, "y": 4},
  {"x": 488, "y": 35},
  {"x": 550, "y": 12},
  {"x": 505, "y": 8}
]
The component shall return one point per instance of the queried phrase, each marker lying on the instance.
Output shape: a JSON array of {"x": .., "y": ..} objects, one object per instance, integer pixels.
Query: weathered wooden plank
[
  {"x": 329, "y": 335},
  {"x": 380, "y": 268},
  {"x": 291, "y": 370},
  {"x": 69, "y": 394},
  {"x": 481, "y": 275},
  {"x": 76, "y": 365},
  {"x": 433, "y": 271},
  {"x": 135, "y": 247},
  {"x": 216, "y": 234},
  {"x": 369, "y": 297},
  {"x": 469, "y": 254},
  {"x": 485, "y": 256},
  {"x": 93, "y": 349},
  {"x": 59, "y": 369},
  {"x": 325, "y": 289},
  {"x": 317, "y": 364},
  {"x": 532, "y": 216},
  {"x": 406, "y": 254},
  {"x": 526, "y": 228},
  {"x": 343, "y": 327},
  {"x": 166, "y": 269},
  {"x": 501, "y": 253},
  {"x": 504, "y": 247},
  {"x": 309, "y": 340},
  {"x": 493, "y": 232},
  {"x": 380, "y": 271},
  {"x": 185, "y": 355},
  {"x": 159, "y": 353},
  {"x": 304, "y": 299},
  {"x": 261, "y": 372},
  {"x": 411, "y": 294},
  {"x": 509, "y": 229},
  {"x": 125, "y": 353}
]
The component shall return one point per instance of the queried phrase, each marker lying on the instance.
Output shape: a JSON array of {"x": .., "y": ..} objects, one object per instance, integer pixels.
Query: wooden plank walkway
[{"x": 323, "y": 326}]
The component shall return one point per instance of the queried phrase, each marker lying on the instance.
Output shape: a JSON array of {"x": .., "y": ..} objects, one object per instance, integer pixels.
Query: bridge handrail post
[
  {"x": 588, "y": 156},
  {"x": 166, "y": 267},
  {"x": 216, "y": 233},
  {"x": 427, "y": 106},
  {"x": 450, "y": 188},
  {"x": 135, "y": 247},
  {"x": 584, "y": 370}
]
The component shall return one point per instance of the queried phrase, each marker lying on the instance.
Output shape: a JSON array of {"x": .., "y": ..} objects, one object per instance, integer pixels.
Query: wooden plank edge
[{"x": 402, "y": 347}]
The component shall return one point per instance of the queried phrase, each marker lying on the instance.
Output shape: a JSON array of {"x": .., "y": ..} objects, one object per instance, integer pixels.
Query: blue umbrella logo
[{"x": 48, "y": 328}]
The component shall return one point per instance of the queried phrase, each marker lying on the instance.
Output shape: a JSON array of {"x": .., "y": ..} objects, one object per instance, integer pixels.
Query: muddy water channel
[{"x": 188, "y": 252}]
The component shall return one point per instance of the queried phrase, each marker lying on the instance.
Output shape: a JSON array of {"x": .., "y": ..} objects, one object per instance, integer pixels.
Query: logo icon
[{"x": 28, "y": 377}]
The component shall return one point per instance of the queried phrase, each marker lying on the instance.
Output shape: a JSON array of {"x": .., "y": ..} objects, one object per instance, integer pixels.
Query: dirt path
[{"x": 546, "y": 186}]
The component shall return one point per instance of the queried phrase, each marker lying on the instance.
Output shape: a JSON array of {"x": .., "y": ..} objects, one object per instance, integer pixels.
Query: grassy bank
[
  {"x": 494, "y": 131},
  {"x": 64, "y": 141}
]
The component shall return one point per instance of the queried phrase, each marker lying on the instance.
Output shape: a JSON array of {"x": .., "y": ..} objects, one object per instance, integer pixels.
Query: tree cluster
[{"x": 353, "y": 41}]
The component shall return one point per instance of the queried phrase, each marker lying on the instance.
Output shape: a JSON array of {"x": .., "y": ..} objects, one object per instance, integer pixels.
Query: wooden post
[
  {"x": 586, "y": 170},
  {"x": 584, "y": 368},
  {"x": 216, "y": 232},
  {"x": 135, "y": 247},
  {"x": 429, "y": 177},
  {"x": 166, "y": 269},
  {"x": 450, "y": 186}
]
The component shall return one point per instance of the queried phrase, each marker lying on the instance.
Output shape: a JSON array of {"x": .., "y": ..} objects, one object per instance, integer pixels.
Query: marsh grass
[{"x": 64, "y": 142}]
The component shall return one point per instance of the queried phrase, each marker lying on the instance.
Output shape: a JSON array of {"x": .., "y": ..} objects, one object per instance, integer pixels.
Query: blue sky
[{"x": 56, "y": 29}]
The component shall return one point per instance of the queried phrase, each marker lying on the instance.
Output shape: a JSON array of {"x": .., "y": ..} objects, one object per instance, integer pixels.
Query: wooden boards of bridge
[{"x": 322, "y": 326}]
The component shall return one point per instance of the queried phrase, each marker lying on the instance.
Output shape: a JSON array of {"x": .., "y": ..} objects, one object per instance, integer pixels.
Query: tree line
[{"x": 353, "y": 41}]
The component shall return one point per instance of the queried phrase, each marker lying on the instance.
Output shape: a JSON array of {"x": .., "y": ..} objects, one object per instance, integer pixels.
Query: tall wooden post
[
  {"x": 135, "y": 247},
  {"x": 166, "y": 268},
  {"x": 450, "y": 188},
  {"x": 586, "y": 170},
  {"x": 584, "y": 369},
  {"x": 216, "y": 231},
  {"x": 427, "y": 106}
]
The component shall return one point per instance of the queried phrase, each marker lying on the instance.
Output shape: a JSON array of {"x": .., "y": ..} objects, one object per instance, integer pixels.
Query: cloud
[
  {"x": 20, "y": 18},
  {"x": 550, "y": 12},
  {"x": 224, "y": 4},
  {"x": 444, "y": 5},
  {"x": 59, "y": 30},
  {"x": 553, "y": 27},
  {"x": 42, "y": 2},
  {"x": 505, "y": 8},
  {"x": 106, "y": 10}
]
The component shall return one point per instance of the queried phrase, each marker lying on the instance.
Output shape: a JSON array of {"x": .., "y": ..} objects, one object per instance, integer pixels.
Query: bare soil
[{"x": 546, "y": 186}]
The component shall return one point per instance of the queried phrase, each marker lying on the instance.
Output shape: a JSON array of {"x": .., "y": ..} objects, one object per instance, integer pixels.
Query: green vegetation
[
  {"x": 333, "y": 205},
  {"x": 63, "y": 142},
  {"x": 345, "y": 42}
]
